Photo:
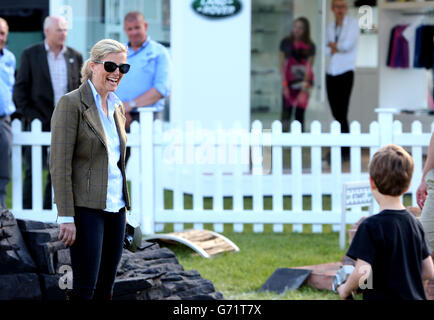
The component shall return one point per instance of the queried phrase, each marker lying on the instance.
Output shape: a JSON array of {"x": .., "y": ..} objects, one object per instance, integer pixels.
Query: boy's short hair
[{"x": 391, "y": 169}]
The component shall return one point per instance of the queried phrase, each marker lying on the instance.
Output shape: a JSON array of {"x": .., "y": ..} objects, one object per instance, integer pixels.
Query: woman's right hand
[
  {"x": 67, "y": 233},
  {"x": 302, "y": 99},
  {"x": 128, "y": 121},
  {"x": 285, "y": 91},
  {"x": 421, "y": 194}
]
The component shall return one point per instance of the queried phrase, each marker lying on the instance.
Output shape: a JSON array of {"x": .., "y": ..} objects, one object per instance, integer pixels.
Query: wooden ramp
[{"x": 206, "y": 243}]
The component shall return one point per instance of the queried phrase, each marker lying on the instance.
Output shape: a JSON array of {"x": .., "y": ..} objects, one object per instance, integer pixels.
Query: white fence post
[
  {"x": 385, "y": 120},
  {"x": 36, "y": 164},
  {"x": 296, "y": 175},
  {"x": 17, "y": 173},
  {"x": 147, "y": 181},
  {"x": 257, "y": 172},
  {"x": 315, "y": 156},
  {"x": 133, "y": 167},
  {"x": 277, "y": 173}
]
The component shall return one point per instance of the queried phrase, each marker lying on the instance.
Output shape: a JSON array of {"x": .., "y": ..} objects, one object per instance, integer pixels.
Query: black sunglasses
[{"x": 110, "y": 66}]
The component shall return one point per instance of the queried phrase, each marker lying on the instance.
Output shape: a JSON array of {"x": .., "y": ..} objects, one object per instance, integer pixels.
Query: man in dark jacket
[{"x": 48, "y": 70}]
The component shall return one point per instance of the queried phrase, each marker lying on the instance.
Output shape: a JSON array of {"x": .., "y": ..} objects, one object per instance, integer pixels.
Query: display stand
[
  {"x": 402, "y": 89},
  {"x": 271, "y": 22}
]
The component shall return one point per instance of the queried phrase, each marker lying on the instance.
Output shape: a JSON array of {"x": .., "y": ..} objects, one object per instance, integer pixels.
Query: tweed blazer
[{"x": 78, "y": 156}]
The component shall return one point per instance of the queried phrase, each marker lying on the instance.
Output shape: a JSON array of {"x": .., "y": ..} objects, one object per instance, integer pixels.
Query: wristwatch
[{"x": 132, "y": 104}]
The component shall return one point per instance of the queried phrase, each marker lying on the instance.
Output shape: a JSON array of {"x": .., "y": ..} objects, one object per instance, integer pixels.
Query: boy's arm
[
  {"x": 427, "y": 269},
  {"x": 361, "y": 272}
]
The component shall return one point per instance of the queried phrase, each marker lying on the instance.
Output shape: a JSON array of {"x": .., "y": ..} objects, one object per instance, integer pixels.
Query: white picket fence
[{"x": 176, "y": 171}]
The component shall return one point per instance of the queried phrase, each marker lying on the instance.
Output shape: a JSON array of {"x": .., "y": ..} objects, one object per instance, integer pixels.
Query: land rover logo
[{"x": 217, "y": 8}]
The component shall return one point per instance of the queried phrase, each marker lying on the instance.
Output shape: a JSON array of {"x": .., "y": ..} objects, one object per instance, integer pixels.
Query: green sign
[{"x": 217, "y": 8}]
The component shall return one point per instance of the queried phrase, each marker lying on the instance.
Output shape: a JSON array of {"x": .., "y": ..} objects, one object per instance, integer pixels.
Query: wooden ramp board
[{"x": 205, "y": 242}]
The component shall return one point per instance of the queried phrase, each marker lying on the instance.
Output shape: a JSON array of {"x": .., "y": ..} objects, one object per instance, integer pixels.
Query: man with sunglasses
[
  {"x": 147, "y": 83},
  {"x": 48, "y": 70}
]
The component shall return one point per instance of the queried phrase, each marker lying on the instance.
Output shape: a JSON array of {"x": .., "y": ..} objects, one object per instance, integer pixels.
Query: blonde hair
[{"x": 98, "y": 52}]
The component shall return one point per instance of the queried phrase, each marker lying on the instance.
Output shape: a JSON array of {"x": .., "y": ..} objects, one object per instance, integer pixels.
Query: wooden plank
[
  {"x": 220, "y": 250},
  {"x": 208, "y": 241},
  {"x": 199, "y": 238}
]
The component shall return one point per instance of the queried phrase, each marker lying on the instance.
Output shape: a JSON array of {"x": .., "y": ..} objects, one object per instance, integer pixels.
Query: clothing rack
[
  {"x": 418, "y": 111},
  {"x": 429, "y": 12},
  {"x": 412, "y": 82}
]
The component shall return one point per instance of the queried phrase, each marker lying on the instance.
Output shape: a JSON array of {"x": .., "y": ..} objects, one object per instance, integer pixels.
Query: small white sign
[
  {"x": 355, "y": 194},
  {"x": 358, "y": 196}
]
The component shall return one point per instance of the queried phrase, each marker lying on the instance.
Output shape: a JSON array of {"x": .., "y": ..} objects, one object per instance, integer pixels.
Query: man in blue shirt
[
  {"x": 7, "y": 107},
  {"x": 147, "y": 84}
]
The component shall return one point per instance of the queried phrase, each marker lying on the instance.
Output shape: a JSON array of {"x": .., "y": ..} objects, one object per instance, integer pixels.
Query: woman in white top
[{"x": 342, "y": 40}]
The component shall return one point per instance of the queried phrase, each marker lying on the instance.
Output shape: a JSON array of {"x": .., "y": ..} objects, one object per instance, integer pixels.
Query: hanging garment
[
  {"x": 410, "y": 35},
  {"x": 398, "y": 56},
  {"x": 426, "y": 56},
  {"x": 417, "y": 48}
]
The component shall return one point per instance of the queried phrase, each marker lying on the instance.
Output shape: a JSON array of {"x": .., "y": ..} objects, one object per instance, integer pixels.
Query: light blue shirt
[
  {"x": 7, "y": 80},
  {"x": 115, "y": 198},
  {"x": 150, "y": 68}
]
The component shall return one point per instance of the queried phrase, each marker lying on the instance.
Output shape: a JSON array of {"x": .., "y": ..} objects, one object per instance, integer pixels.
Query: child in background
[{"x": 297, "y": 52}]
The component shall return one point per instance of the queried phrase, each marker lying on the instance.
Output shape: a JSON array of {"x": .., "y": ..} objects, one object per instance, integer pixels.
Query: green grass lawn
[{"x": 239, "y": 275}]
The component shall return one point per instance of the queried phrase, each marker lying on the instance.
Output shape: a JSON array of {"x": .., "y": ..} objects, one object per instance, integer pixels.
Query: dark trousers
[
  {"x": 339, "y": 92},
  {"x": 286, "y": 117},
  {"x": 27, "y": 186},
  {"x": 96, "y": 252}
]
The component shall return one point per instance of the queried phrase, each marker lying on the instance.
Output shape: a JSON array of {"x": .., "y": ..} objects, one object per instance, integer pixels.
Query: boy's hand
[{"x": 341, "y": 292}]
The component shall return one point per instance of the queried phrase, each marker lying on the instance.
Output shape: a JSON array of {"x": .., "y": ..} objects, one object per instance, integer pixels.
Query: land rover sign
[{"x": 217, "y": 8}]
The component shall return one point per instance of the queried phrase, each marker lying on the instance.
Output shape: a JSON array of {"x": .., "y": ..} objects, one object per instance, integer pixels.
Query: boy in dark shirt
[{"x": 389, "y": 248}]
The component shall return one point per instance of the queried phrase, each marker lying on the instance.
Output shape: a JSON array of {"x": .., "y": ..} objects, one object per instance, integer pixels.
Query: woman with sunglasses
[{"x": 87, "y": 164}]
